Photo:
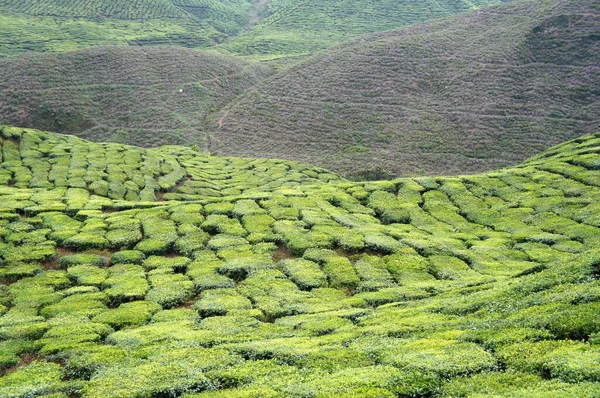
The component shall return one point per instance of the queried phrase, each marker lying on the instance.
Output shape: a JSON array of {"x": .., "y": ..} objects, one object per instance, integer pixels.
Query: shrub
[
  {"x": 219, "y": 223},
  {"x": 123, "y": 238},
  {"x": 126, "y": 282},
  {"x": 219, "y": 302},
  {"x": 39, "y": 377},
  {"x": 391, "y": 295},
  {"x": 340, "y": 273},
  {"x": 304, "y": 273},
  {"x": 191, "y": 242},
  {"x": 178, "y": 264},
  {"x": 128, "y": 257},
  {"x": 71, "y": 332},
  {"x": 219, "y": 208},
  {"x": 447, "y": 358},
  {"x": 570, "y": 361},
  {"x": 135, "y": 313},
  {"x": 382, "y": 243},
  {"x": 173, "y": 315},
  {"x": 577, "y": 322},
  {"x": 82, "y": 259},
  {"x": 145, "y": 379},
  {"x": 238, "y": 269},
  {"x": 213, "y": 281},
  {"x": 258, "y": 223},
  {"x": 170, "y": 290},
  {"x": 83, "y": 362},
  {"x": 246, "y": 207},
  {"x": 153, "y": 246},
  {"x": 85, "y": 241},
  {"x": 11, "y": 351},
  {"x": 222, "y": 241},
  {"x": 84, "y": 305}
]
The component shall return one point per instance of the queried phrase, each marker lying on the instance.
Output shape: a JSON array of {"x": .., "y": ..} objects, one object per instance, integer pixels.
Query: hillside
[
  {"x": 146, "y": 96},
  {"x": 64, "y": 25},
  {"x": 305, "y": 26},
  {"x": 464, "y": 94},
  {"x": 166, "y": 273},
  {"x": 264, "y": 28}
]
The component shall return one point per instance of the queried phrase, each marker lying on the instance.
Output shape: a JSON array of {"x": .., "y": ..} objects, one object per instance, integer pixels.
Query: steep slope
[
  {"x": 299, "y": 284},
  {"x": 145, "y": 96},
  {"x": 464, "y": 94}
]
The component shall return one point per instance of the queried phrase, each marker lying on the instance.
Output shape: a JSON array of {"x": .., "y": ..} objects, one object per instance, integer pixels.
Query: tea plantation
[
  {"x": 258, "y": 28},
  {"x": 130, "y": 272}
]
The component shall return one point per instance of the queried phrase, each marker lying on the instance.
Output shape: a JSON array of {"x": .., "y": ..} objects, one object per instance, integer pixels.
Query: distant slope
[
  {"x": 305, "y": 26},
  {"x": 145, "y": 96},
  {"x": 63, "y": 25},
  {"x": 469, "y": 93},
  {"x": 266, "y": 28}
]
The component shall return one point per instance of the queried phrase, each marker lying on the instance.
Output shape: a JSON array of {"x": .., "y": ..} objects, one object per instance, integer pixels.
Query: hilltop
[
  {"x": 147, "y": 96},
  {"x": 165, "y": 272},
  {"x": 263, "y": 28},
  {"x": 468, "y": 93}
]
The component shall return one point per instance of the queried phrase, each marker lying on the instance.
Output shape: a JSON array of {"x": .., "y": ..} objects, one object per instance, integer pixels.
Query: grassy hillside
[
  {"x": 144, "y": 96},
  {"x": 305, "y": 26},
  {"x": 464, "y": 94},
  {"x": 265, "y": 28},
  {"x": 147, "y": 273},
  {"x": 64, "y": 25}
]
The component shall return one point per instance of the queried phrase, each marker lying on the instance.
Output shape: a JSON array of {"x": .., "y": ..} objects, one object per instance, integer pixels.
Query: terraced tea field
[{"x": 165, "y": 273}]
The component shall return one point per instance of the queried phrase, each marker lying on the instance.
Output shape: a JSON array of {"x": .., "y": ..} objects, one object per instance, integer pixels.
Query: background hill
[
  {"x": 463, "y": 94},
  {"x": 63, "y": 25},
  {"x": 266, "y": 28},
  {"x": 132, "y": 272},
  {"x": 305, "y": 26},
  {"x": 145, "y": 96}
]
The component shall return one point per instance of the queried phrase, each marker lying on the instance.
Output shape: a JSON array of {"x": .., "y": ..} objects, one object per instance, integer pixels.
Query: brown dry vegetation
[
  {"x": 145, "y": 96},
  {"x": 469, "y": 93}
]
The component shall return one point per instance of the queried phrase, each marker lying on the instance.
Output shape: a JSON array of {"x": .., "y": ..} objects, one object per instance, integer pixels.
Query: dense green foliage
[
  {"x": 469, "y": 93},
  {"x": 259, "y": 278}
]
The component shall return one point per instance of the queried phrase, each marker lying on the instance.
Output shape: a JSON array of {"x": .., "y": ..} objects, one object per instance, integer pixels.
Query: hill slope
[
  {"x": 305, "y": 26},
  {"x": 284, "y": 280},
  {"x": 464, "y": 94},
  {"x": 145, "y": 96},
  {"x": 269, "y": 28},
  {"x": 63, "y": 25}
]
